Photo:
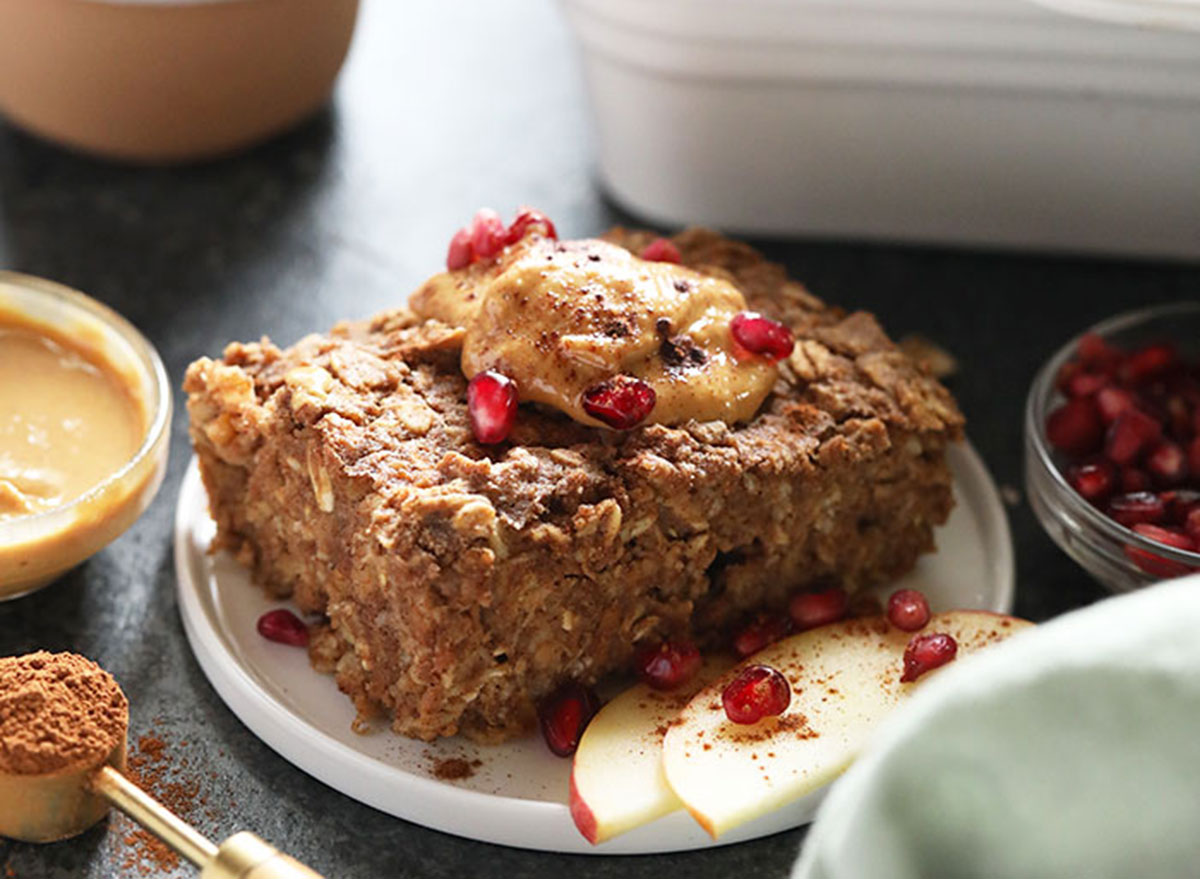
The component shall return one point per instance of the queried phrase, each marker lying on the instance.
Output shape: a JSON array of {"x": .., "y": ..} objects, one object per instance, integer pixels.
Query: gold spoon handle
[
  {"x": 245, "y": 856},
  {"x": 153, "y": 815},
  {"x": 242, "y": 856}
]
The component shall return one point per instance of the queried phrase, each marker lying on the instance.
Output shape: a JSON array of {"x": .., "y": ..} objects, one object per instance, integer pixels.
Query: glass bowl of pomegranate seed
[{"x": 1112, "y": 446}]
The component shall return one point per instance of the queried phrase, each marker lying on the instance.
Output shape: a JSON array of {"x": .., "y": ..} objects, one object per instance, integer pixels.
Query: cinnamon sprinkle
[{"x": 453, "y": 768}]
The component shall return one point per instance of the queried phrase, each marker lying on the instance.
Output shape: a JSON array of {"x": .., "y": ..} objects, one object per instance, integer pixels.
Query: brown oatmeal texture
[
  {"x": 57, "y": 711},
  {"x": 463, "y": 582}
]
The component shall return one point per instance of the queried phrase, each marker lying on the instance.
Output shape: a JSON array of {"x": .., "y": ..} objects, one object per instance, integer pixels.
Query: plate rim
[{"x": 495, "y": 816}]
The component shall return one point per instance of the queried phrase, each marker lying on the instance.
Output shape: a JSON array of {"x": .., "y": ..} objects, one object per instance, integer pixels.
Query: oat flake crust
[{"x": 463, "y": 582}]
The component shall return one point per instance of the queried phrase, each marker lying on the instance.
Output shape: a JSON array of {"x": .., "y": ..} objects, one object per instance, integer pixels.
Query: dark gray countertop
[{"x": 443, "y": 108}]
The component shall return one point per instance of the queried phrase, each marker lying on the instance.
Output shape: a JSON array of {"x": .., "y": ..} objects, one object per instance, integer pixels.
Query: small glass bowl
[
  {"x": 1100, "y": 544},
  {"x": 38, "y": 548}
]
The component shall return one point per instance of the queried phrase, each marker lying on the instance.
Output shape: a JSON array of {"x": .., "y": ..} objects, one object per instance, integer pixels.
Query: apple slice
[
  {"x": 845, "y": 679},
  {"x": 617, "y": 781}
]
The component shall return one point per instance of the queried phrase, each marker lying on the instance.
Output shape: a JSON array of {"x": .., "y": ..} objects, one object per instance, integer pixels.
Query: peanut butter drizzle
[{"x": 560, "y": 317}]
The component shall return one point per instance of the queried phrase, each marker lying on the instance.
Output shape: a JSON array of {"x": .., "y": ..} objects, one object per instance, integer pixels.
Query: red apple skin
[
  {"x": 581, "y": 814},
  {"x": 616, "y": 783}
]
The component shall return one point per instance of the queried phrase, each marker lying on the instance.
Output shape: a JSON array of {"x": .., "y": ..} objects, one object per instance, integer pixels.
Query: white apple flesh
[
  {"x": 845, "y": 678},
  {"x": 617, "y": 781}
]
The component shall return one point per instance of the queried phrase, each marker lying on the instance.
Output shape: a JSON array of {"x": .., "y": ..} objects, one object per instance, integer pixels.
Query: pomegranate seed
[
  {"x": 908, "y": 610},
  {"x": 662, "y": 250},
  {"x": 762, "y": 632},
  {"x": 1094, "y": 481},
  {"x": 667, "y": 665},
  {"x": 460, "y": 255},
  {"x": 492, "y": 406},
  {"x": 1066, "y": 374},
  {"x": 1148, "y": 405},
  {"x": 1154, "y": 565},
  {"x": 283, "y": 626},
  {"x": 1097, "y": 353},
  {"x": 485, "y": 236},
  {"x": 565, "y": 715},
  {"x": 1179, "y": 416},
  {"x": 1180, "y": 504},
  {"x": 621, "y": 402},
  {"x": 761, "y": 335},
  {"x": 811, "y": 609},
  {"x": 1147, "y": 363},
  {"x": 1136, "y": 508},
  {"x": 488, "y": 235},
  {"x": 1084, "y": 384},
  {"x": 1075, "y": 427},
  {"x": 1167, "y": 464},
  {"x": 1112, "y": 402},
  {"x": 1134, "y": 480},
  {"x": 1192, "y": 526},
  {"x": 528, "y": 219},
  {"x": 1151, "y": 404},
  {"x": 1130, "y": 435},
  {"x": 1166, "y": 536},
  {"x": 757, "y": 692},
  {"x": 927, "y": 652}
]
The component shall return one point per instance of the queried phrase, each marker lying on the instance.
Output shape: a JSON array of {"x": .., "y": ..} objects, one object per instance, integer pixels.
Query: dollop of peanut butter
[{"x": 561, "y": 317}]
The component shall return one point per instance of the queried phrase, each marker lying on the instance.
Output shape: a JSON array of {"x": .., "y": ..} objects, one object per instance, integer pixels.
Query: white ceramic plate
[{"x": 517, "y": 795}]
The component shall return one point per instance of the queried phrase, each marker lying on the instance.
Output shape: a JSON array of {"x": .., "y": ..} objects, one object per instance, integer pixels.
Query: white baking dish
[{"x": 977, "y": 121}]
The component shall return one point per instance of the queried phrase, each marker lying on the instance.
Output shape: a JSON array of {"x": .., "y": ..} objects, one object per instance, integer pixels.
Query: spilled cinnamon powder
[
  {"x": 167, "y": 776},
  {"x": 146, "y": 768},
  {"x": 57, "y": 710},
  {"x": 455, "y": 768}
]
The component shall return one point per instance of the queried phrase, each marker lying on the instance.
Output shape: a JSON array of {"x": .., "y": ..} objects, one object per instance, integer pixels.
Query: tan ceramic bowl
[
  {"x": 36, "y": 549},
  {"x": 168, "y": 80}
]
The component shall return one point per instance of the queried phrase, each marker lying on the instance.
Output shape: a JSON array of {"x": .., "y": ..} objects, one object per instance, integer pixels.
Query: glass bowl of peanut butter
[{"x": 84, "y": 414}]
